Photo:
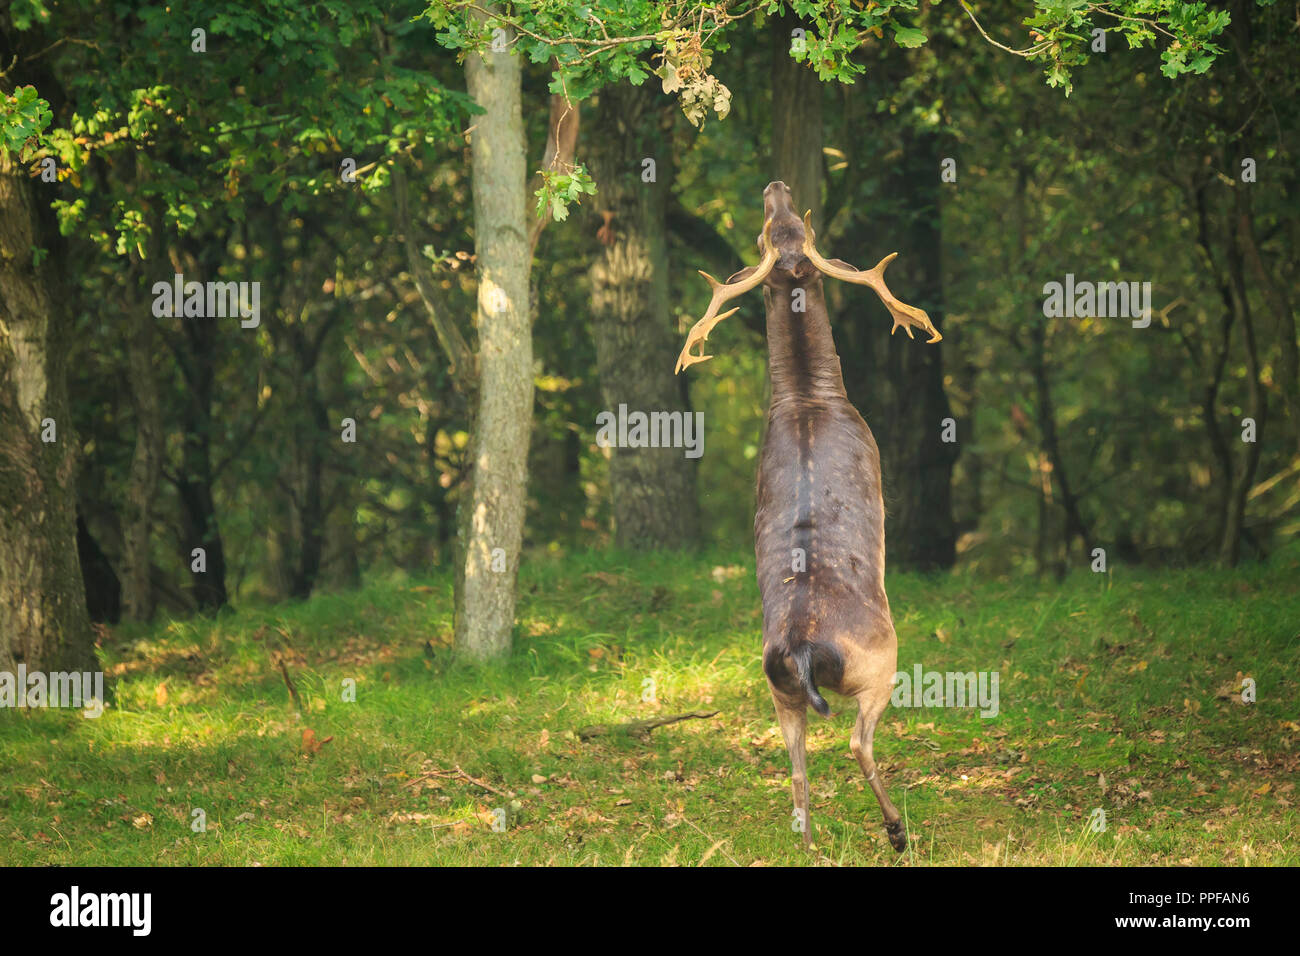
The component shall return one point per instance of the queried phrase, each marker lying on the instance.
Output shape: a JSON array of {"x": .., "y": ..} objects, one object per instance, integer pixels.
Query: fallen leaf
[
  {"x": 712, "y": 850},
  {"x": 310, "y": 744}
]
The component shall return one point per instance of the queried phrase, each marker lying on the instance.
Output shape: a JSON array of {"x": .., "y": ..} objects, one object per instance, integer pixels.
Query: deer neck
[{"x": 801, "y": 356}]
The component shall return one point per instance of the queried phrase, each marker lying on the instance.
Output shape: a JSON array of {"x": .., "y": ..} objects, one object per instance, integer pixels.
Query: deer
[{"x": 819, "y": 525}]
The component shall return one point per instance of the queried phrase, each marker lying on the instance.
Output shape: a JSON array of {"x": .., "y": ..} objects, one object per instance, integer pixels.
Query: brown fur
[{"x": 819, "y": 491}]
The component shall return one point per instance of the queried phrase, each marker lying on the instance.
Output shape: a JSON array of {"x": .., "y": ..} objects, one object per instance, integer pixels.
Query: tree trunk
[
  {"x": 1045, "y": 408},
  {"x": 278, "y": 573},
  {"x": 310, "y": 502},
  {"x": 493, "y": 512},
  {"x": 146, "y": 462},
  {"x": 103, "y": 589},
  {"x": 43, "y": 619},
  {"x": 898, "y": 386},
  {"x": 924, "y": 533},
  {"x": 194, "y": 485},
  {"x": 796, "y": 123},
  {"x": 196, "y": 354},
  {"x": 1257, "y": 401},
  {"x": 341, "y": 568},
  {"x": 652, "y": 489},
  {"x": 1217, "y": 359}
]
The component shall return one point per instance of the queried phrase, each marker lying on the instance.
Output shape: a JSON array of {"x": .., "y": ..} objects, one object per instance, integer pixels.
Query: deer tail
[{"x": 802, "y": 655}]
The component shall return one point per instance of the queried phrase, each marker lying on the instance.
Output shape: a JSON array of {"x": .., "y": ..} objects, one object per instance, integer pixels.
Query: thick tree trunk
[
  {"x": 796, "y": 122},
  {"x": 43, "y": 619},
  {"x": 652, "y": 489},
  {"x": 899, "y": 388},
  {"x": 493, "y": 511},
  {"x": 923, "y": 536}
]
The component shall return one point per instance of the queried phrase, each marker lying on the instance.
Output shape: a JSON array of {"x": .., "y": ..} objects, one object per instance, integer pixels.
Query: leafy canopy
[{"x": 592, "y": 44}]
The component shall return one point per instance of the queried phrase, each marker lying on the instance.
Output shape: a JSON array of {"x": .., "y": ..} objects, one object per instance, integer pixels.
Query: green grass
[{"x": 1127, "y": 677}]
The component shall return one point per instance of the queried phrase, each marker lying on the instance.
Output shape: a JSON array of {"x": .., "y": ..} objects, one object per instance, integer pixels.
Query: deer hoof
[{"x": 897, "y": 835}]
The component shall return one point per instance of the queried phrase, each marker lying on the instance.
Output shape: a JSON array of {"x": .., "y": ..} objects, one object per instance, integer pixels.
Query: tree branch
[
  {"x": 462, "y": 364},
  {"x": 641, "y": 728}
]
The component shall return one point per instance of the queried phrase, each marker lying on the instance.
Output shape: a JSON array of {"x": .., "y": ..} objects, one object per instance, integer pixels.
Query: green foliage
[
  {"x": 324, "y": 94},
  {"x": 24, "y": 119},
  {"x": 1062, "y": 33},
  {"x": 26, "y": 14},
  {"x": 593, "y": 44},
  {"x": 839, "y": 29},
  {"x": 560, "y": 189}
]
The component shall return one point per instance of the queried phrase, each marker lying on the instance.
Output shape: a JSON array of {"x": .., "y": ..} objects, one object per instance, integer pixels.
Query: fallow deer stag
[{"x": 819, "y": 531}]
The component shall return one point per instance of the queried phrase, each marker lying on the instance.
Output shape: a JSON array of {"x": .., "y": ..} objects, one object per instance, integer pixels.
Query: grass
[{"x": 1117, "y": 691}]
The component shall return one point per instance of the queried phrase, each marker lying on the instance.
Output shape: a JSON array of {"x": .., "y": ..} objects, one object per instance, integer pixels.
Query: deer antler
[
  {"x": 904, "y": 315},
  {"x": 722, "y": 292}
]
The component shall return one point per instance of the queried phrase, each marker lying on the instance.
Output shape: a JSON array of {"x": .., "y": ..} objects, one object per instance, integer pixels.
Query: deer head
[{"x": 790, "y": 258}]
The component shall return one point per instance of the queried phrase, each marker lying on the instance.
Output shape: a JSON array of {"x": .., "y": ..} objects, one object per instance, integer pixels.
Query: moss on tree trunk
[{"x": 43, "y": 618}]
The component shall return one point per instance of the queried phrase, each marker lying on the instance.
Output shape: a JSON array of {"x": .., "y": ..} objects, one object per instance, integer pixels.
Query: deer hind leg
[
  {"x": 794, "y": 724},
  {"x": 871, "y": 704}
]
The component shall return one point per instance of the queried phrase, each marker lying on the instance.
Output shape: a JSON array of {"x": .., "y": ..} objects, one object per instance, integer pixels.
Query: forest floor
[{"x": 1119, "y": 692}]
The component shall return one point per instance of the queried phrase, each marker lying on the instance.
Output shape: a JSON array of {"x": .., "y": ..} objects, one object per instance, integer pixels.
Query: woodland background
[
  {"x": 313, "y": 692},
  {"x": 224, "y": 164}
]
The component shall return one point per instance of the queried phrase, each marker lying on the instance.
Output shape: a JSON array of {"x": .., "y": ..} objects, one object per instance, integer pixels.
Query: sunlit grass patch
[{"x": 1119, "y": 694}]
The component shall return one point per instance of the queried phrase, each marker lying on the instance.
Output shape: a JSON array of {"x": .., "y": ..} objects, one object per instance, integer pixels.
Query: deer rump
[{"x": 819, "y": 542}]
